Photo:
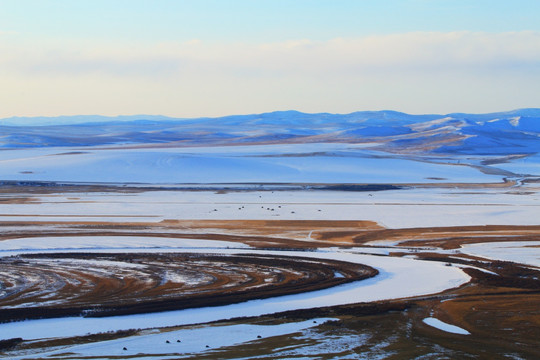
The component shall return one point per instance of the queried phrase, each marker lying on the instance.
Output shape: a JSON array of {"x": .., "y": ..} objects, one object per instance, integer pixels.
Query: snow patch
[
  {"x": 441, "y": 325},
  {"x": 521, "y": 252},
  {"x": 515, "y": 121}
]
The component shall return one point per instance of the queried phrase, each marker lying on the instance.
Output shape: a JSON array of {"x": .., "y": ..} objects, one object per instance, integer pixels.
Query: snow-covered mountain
[
  {"x": 513, "y": 132},
  {"x": 384, "y": 147}
]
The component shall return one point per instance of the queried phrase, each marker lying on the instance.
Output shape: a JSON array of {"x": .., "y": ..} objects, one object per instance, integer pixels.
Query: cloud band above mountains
[{"x": 196, "y": 78}]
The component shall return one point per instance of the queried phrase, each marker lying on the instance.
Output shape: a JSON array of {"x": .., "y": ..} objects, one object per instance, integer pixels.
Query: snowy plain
[
  {"x": 299, "y": 163},
  {"x": 404, "y": 208}
]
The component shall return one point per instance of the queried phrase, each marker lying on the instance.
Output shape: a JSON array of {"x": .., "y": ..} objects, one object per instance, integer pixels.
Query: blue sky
[
  {"x": 215, "y": 57},
  {"x": 255, "y": 21}
]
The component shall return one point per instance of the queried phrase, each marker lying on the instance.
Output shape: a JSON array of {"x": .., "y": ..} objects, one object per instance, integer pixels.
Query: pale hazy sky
[{"x": 218, "y": 57}]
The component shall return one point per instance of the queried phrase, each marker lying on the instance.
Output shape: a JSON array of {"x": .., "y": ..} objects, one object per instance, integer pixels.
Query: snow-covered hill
[
  {"x": 514, "y": 132},
  {"x": 278, "y": 147}
]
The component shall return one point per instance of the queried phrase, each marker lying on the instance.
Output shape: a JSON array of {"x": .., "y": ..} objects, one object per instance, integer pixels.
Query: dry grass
[
  {"x": 501, "y": 312},
  {"x": 51, "y": 285}
]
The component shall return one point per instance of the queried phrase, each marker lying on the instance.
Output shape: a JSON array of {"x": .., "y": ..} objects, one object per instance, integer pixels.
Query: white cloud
[
  {"x": 415, "y": 72},
  {"x": 387, "y": 52}
]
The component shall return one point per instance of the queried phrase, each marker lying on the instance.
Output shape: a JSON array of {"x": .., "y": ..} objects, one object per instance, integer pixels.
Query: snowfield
[
  {"x": 301, "y": 163},
  {"x": 521, "y": 252},
  {"x": 404, "y": 208}
]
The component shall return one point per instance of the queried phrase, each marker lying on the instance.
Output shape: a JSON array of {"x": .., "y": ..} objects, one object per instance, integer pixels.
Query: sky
[{"x": 193, "y": 58}]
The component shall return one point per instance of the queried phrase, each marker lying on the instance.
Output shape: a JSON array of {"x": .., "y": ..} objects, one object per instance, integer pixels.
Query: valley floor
[{"x": 104, "y": 272}]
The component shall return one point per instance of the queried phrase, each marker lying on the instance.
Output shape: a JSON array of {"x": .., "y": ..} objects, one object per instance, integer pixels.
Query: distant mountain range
[{"x": 512, "y": 132}]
